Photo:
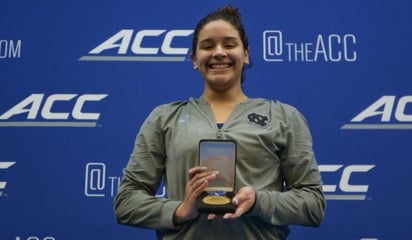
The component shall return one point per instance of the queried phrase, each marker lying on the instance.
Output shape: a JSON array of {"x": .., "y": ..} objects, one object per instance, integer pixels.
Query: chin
[{"x": 218, "y": 80}]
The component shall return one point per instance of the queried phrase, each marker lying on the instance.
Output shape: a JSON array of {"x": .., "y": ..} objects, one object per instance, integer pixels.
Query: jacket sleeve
[
  {"x": 135, "y": 203},
  {"x": 302, "y": 202}
]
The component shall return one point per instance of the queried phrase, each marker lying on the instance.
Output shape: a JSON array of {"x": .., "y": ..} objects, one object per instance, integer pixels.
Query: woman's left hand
[{"x": 243, "y": 200}]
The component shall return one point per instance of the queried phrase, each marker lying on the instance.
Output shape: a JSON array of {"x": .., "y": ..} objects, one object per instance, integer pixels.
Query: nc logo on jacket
[{"x": 258, "y": 119}]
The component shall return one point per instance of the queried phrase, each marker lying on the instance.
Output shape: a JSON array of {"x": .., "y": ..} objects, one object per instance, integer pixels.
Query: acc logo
[
  {"x": 147, "y": 45},
  {"x": 98, "y": 184},
  {"x": 344, "y": 189},
  {"x": 46, "y": 106},
  {"x": 328, "y": 48},
  {"x": 35, "y": 238},
  {"x": 384, "y": 110},
  {"x": 4, "y": 165}
]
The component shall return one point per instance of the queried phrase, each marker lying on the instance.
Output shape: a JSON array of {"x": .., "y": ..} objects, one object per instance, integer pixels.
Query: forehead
[{"x": 218, "y": 29}]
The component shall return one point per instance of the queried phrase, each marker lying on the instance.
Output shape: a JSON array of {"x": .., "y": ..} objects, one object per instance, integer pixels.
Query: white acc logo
[
  {"x": 385, "y": 108},
  {"x": 349, "y": 191},
  {"x": 4, "y": 165},
  {"x": 141, "y": 46},
  {"x": 32, "y": 106}
]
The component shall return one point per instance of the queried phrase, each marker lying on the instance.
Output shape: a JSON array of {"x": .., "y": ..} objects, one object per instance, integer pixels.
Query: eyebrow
[{"x": 224, "y": 38}]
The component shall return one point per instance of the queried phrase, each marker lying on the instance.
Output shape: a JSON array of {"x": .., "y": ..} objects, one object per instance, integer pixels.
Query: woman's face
[{"x": 220, "y": 55}]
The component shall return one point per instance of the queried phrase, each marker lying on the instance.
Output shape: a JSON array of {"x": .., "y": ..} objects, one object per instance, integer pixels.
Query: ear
[
  {"x": 193, "y": 57},
  {"x": 246, "y": 58}
]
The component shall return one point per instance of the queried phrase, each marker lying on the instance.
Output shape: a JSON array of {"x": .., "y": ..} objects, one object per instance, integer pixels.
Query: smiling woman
[{"x": 274, "y": 146}]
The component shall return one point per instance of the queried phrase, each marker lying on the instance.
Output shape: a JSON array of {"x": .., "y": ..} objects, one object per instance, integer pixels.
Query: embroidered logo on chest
[{"x": 258, "y": 119}]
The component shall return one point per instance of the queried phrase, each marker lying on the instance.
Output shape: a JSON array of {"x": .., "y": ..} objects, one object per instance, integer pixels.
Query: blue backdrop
[{"x": 77, "y": 79}]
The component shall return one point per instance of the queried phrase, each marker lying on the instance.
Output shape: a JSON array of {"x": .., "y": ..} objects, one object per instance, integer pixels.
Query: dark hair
[{"x": 227, "y": 13}]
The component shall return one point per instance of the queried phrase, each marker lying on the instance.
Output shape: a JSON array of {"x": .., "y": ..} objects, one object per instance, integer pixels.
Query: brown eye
[
  {"x": 206, "y": 46},
  {"x": 231, "y": 44}
]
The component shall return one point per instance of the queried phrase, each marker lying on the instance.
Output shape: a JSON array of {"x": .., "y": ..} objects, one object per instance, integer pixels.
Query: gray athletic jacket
[{"x": 274, "y": 156}]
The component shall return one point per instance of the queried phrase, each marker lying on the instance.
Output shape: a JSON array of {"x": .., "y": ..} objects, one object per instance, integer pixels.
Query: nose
[{"x": 219, "y": 52}]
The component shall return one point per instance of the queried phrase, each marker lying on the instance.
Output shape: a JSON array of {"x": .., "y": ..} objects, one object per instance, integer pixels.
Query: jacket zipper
[{"x": 219, "y": 133}]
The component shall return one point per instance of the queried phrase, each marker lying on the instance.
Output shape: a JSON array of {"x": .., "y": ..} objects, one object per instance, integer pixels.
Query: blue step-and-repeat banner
[{"x": 77, "y": 79}]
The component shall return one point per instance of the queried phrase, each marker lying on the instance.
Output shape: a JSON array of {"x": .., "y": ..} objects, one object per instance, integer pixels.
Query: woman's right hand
[{"x": 199, "y": 178}]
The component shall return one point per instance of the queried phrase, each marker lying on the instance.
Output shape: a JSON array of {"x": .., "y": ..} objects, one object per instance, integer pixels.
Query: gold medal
[{"x": 216, "y": 200}]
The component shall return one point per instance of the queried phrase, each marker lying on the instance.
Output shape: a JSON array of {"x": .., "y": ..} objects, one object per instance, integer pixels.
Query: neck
[
  {"x": 227, "y": 98},
  {"x": 222, "y": 105}
]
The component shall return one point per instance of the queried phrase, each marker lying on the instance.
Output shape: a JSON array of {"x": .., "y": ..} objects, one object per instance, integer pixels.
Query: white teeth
[{"x": 219, "y": 66}]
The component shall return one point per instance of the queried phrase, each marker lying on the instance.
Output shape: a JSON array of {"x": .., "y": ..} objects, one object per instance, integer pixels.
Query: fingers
[
  {"x": 244, "y": 200},
  {"x": 211, "y": 216},
  {"x": 199, "y": 179},
  {"x": 242, "y": 204},
  {"x": 235, "y": 201},
  {"x": 193, "y": 171},
  {"x": 199, "y": 175},
  {"x": 240, "y": 210}
]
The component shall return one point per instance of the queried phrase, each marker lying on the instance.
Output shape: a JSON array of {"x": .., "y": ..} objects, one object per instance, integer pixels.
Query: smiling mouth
[{"x": 220, "y": 65}]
